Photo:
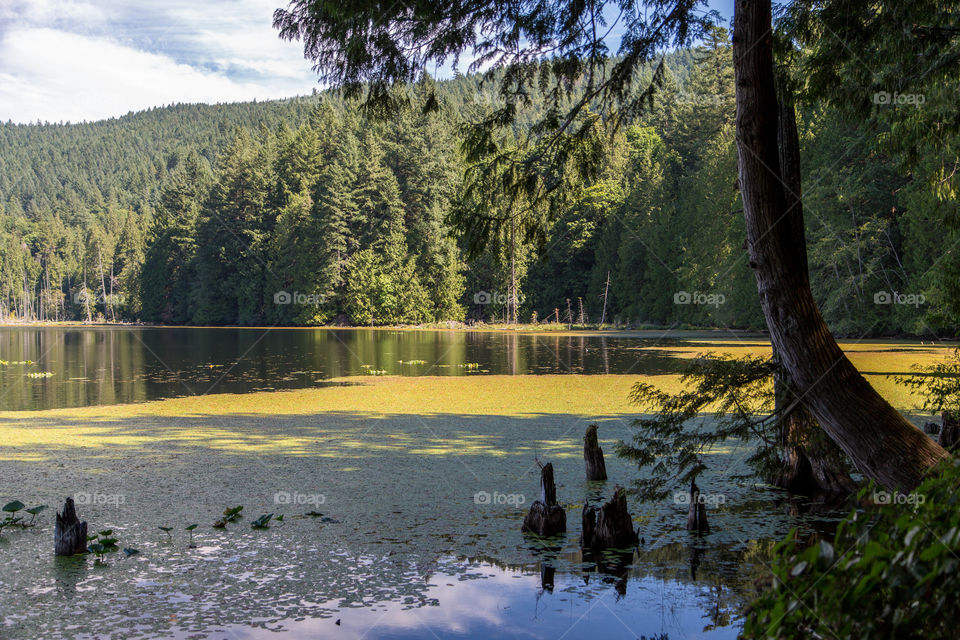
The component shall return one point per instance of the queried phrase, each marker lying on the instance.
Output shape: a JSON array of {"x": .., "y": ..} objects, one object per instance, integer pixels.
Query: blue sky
[{"x": 74, "y": 60}]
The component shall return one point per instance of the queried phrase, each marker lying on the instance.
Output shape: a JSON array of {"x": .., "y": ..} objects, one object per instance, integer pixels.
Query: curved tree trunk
[
  {"x": 812, "y": 463},
  {"x": 877, "y": 438}
]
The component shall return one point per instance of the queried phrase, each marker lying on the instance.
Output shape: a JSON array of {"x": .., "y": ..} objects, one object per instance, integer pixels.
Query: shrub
[{"x": 889, "y": 572}]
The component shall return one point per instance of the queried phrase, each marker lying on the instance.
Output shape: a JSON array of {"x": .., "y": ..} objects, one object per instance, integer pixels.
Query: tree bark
[
  {"x": 69, "y": 534},
  {"x": 697, "y": 511},
  {"x": 884, "y": 445},
  {"x": 812, "y": 463},
  {"x": 546, "y": 518},
  {"x": 949, "y": 436},
  {"x": 593, "y": 455},
  {"x": 610, "y": 526}
]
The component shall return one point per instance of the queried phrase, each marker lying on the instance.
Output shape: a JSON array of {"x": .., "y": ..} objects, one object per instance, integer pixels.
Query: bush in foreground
[{"x": 891, "y": 571}]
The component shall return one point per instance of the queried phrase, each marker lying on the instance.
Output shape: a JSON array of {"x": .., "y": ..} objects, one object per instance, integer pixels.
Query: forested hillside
[{"x": 304, "y": 211}]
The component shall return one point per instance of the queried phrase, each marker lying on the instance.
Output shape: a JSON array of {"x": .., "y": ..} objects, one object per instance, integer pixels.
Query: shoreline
[
  {"x": 518, "y": 329},
  {"x": 590, "y": 331}
]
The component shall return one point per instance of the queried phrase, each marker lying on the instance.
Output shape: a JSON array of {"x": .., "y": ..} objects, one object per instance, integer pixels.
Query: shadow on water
[
  {"x": 402, "y": 542},
  {"x": 69, "y": 572}
]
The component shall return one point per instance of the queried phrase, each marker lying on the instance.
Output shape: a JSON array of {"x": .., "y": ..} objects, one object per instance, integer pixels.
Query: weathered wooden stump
[
  {"x": 610, "y": 526},
  {"x": 593, "y": 455},
  {"x": 697, "y": 513},
  {"x": 588, "y": 526},
  {"x": 546, "y": 518},
  {"x": 69, "y": 534},
  {"x": 949, "y": 431}
]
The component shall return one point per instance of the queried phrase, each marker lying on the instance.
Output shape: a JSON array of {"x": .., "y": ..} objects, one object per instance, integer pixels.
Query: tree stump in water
[
  {"x": 949, "y": 431},
  {"x": 69, "y": 534},
  {"x": 546, "y": 518},
  {"x": 593, "y": 455},
  {"x": 697, "y": 514},
  {"x": 610, "y": 526}
]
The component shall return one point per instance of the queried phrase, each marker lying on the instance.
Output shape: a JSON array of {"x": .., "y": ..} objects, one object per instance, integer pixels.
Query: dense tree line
[{"x": 306, "y": 212}]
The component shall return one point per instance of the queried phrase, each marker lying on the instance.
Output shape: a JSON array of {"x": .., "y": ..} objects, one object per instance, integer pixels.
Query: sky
[{"x": 84, "y": 60}]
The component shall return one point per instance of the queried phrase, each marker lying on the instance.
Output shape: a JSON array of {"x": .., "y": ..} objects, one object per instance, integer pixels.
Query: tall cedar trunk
[
  {"x": 879, "y": 440},
  {"x": 811, "y": 463}
]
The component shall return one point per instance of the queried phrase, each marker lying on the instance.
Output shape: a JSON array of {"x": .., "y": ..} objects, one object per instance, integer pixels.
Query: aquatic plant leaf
[{"x": 262, "y": 522}]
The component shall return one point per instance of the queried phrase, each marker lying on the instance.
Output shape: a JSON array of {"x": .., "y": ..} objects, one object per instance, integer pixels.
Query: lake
[
  {"x": 376, "y": 447},
  {"x": 109, "y": 365}
]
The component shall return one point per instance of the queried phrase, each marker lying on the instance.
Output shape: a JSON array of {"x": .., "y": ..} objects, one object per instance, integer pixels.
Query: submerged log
[
  {"x": 697, "y": 513},
  {"x": 610, "y": 526},
  {"x": 69, "y": 534},
  {"x": 593, "y": 455},
  {"x": 546, "y": 518}
]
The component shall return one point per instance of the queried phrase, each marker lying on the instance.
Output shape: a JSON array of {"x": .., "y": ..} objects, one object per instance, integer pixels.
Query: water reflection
[{"x": 112, "y": 365}]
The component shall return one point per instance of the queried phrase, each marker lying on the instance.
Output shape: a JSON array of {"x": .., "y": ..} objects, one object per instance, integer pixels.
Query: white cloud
[
  {"x": 52, "y": 12},
  {"x": 70, "y": 60}
]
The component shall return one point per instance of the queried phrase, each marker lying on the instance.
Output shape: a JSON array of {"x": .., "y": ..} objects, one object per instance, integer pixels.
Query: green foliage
[
  {"x": 545, "y": 54},
  {"x": 890, "y": 70},
  {"x": 13, "y": 506},
  {"x": 191, "y": 214},
  {"x": 891, "y": 571},
  {"x": 102, "y": 543},
  {"x": 11, "y": 517},
  {"x": 230, "y": 514},
  {"x": 34, "y": 512},
  {"x": 263, "y": 522},
  {"x": 723, "y": 398}
]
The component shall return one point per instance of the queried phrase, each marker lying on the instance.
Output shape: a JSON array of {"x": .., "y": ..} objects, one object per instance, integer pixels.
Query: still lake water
[
  {"x": 403, "y": 549},
  {"x": 113, "y": 365}
]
